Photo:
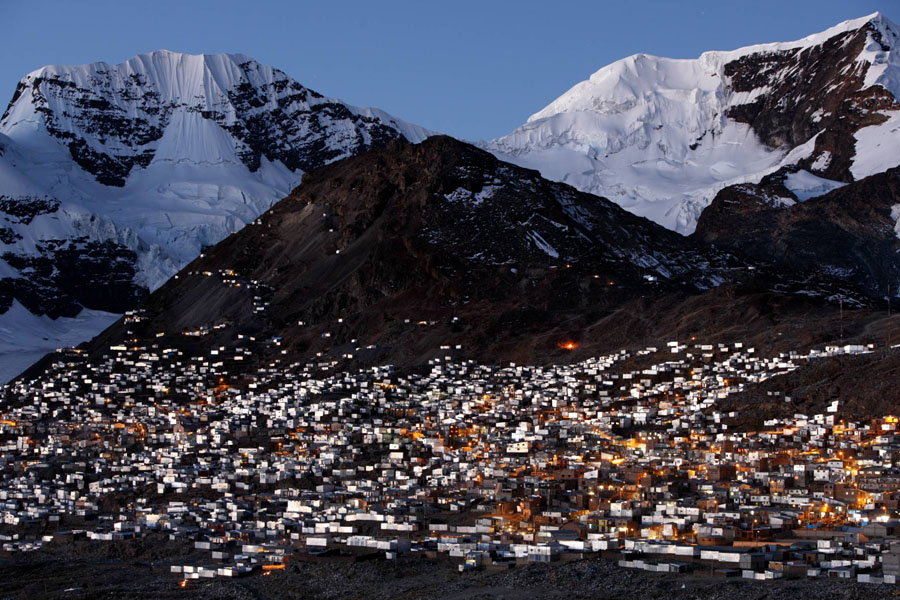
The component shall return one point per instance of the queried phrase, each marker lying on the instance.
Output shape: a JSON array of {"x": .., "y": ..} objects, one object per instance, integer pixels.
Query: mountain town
[
  {"x": 258, "y": 342},
  {"x": 489, "y": 466}
]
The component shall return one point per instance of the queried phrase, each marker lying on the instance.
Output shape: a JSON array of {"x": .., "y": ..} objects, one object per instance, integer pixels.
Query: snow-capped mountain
[
  {"x": 112, "y": 177},
  {"x": 661, "y": 136}
]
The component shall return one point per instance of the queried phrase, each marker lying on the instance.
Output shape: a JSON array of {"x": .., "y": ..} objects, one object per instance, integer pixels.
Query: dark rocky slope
[
  {"x": 848, "y": 233},
  {"x": 440, "y": 244}
]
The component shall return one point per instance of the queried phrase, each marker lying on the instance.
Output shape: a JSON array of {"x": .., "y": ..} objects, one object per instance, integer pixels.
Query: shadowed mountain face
[
  {"x": 416, "y": 247},
  {"x": 849, "y": 233}
]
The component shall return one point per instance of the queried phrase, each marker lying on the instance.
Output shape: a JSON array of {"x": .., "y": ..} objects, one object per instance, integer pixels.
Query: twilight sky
[{"x": 473, "y": 69}]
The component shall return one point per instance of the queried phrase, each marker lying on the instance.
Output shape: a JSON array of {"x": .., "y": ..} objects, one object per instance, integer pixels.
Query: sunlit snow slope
[{"x": 660, "y": 136}]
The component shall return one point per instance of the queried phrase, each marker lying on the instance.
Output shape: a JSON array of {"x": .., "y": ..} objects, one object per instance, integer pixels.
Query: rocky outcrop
[
  {"x": 23, "y": 209},
  {"x": 68, "y": 275},
  {"x": 849, "y": 233},
  {"x": 815, "y": 90}
]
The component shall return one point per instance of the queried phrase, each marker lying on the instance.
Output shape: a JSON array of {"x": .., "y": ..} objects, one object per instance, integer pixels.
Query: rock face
[
  {"x": 112, "y": 177},
  {"x": 391, "y": 255},
  {"x": 67, "y": 275},
  {"x": 823, "y": 91},
  {"x": 113, "y": 118},
  {"x": 850, "y": 233},
  {"x": 661, "y": 137}
]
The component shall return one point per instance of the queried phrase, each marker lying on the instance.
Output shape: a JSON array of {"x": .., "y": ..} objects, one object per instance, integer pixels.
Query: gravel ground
[{"x": 89, "y": 571}]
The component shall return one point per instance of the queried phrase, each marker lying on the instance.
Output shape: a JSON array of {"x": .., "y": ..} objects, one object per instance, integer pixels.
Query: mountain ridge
[
  {"x": 112, "y": 177},
  {"x": 416, "y": 251}
]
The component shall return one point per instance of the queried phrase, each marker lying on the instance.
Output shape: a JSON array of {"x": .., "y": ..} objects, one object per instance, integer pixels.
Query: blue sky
[{"x": 473, "y": 69}]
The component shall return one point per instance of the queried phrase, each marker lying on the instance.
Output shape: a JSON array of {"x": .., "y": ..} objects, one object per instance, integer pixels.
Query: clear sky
[{"x": 473, "y": 69}]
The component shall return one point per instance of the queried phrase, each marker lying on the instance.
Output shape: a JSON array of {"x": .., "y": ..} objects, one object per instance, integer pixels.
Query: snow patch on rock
[
  {"x": 805, "y": 185},
  {"x": 877, "y": 147},
  {"x": 25, "y": 338},
  {"x": 542, "y": 244},
  {"x": 895, "y": 215}
]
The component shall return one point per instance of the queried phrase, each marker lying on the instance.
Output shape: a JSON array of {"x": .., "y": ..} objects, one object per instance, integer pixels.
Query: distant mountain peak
[
  {"x": 113, "y": 118},
  {"x": 661, "y": 136},
  {"x": 146, "y": 162}
]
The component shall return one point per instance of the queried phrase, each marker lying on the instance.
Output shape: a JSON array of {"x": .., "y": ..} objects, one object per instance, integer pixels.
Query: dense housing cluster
[{"x": 626, "y": 455}]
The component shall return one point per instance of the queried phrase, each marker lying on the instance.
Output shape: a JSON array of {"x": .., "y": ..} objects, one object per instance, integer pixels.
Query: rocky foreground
[{"x": 140, "y": 569}]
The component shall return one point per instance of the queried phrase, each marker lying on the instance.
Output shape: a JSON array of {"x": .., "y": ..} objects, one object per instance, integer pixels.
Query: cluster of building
[{"x": 627, "y": 456}]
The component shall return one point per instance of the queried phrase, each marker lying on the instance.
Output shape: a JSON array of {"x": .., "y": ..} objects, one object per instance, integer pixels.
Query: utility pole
[{"x": 842, "y": 320}]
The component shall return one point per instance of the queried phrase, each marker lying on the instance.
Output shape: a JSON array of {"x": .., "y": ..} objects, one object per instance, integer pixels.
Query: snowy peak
[
  {"x": 875, "y": 23},
  {"x": 114, "y": 118},
  {"x": 635, "y": 76},
  {"x": 113, "y": 177},
  {"x": 661, "y": 136},
  {"x": 621, "y": 85}
]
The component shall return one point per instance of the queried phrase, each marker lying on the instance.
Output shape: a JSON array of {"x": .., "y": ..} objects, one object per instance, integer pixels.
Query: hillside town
[{"x": 627, "y": 457}]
